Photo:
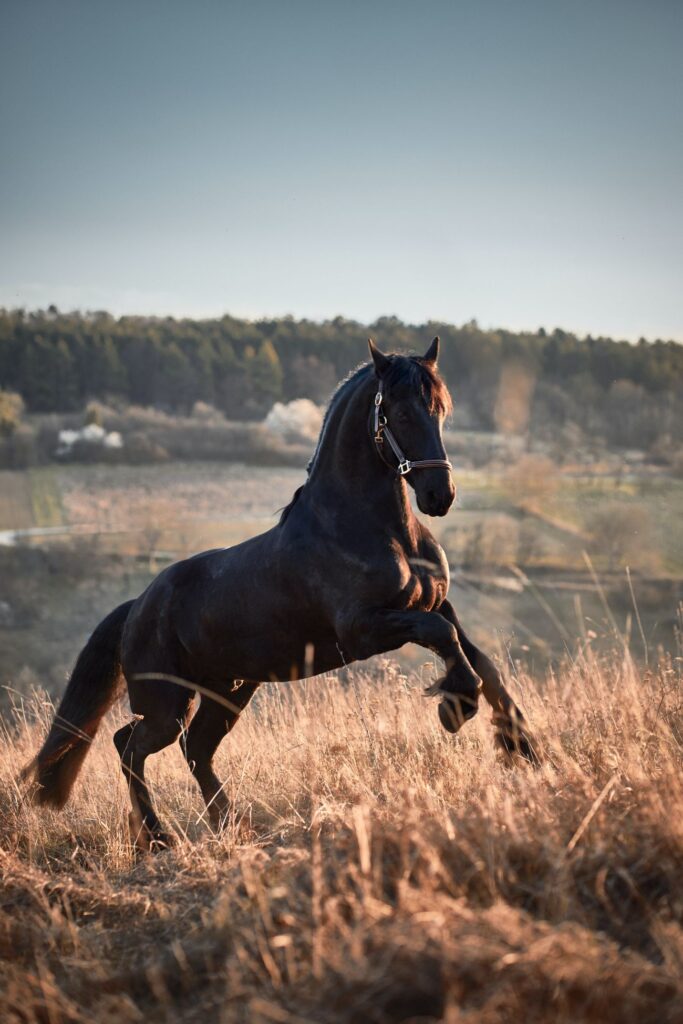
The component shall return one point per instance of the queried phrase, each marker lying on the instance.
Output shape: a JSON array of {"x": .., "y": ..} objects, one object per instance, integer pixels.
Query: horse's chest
[{"x": 424, "y": 588}]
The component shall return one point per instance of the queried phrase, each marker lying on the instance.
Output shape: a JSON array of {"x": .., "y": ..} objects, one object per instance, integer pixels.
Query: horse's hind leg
[
  {"x": 511, "y": 730},
  {"x": 208, "y": 727},
  {"x": 159, "y": 728}
]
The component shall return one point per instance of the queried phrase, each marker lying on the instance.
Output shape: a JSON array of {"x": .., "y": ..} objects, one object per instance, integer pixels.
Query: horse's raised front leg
[
  {"x": 375, "y": 632},
  {"x": 512, "y": 732}
]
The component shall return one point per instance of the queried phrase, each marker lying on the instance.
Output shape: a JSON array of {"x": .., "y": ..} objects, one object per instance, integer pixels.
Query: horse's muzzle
[{"x": 436, "y": 501}]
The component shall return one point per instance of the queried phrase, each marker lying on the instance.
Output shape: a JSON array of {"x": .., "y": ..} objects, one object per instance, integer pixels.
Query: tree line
[{"x": 627, "y": 394}]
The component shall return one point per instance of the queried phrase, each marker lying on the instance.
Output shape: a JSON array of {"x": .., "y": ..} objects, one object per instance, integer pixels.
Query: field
[
  {"x": 376, "y": 869},
  {"x": 202, "y": 497},
  {"x": 94, "y": 535}
]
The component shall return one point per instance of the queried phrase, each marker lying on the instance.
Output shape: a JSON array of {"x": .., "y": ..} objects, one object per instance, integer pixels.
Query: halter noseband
[{"x": 381, "y": 430}]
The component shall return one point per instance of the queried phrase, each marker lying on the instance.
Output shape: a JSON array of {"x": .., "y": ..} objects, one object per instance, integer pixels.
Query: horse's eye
[{"x": 403, "y": 416}]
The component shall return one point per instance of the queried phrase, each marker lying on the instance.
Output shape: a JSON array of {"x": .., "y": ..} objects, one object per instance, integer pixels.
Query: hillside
[{"x": 377, "y": 870}]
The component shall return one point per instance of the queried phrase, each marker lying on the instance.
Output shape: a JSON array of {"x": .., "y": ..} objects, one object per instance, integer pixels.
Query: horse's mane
[{"x": 409, "y": 370}]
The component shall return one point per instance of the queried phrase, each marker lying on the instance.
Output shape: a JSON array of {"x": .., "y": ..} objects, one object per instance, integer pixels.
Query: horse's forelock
[
  {"x": 422, "y": 376},
  {"x": 437, "y": 394}
]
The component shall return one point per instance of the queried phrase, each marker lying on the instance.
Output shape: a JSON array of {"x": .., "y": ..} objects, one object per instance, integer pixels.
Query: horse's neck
[{"x": 347, "y": 465}]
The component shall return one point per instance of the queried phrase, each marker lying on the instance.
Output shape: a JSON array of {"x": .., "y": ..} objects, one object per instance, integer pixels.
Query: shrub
[
  {"x": 295, "y": 422},
  {"x": 20, "y": 449},
  {"x": 94, "y": 413},
  {"x": 494, "y": 542},
  {"x": 207, "y": 413},
  {"x": 532, "y": 479},
  {"x": 621, "y": 536},
  {"x": 139, "y": 448},
  {"x": 11, "y": 411}
]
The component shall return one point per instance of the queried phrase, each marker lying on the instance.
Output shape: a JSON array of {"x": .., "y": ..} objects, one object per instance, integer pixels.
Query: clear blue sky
[{"x": 519, "y": 162}]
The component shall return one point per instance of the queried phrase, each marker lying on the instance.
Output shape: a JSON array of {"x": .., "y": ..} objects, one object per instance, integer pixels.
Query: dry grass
[{"x": 378, "y": 871}]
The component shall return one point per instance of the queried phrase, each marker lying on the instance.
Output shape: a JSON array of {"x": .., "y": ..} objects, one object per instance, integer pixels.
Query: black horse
[{"x": 348, "y": 572}]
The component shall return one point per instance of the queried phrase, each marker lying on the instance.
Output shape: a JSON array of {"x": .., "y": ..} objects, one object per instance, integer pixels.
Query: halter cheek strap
[{"x": 382, "y": 431}]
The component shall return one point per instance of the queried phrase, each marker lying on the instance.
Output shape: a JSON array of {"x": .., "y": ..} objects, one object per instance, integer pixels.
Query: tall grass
[{"x": 376, "y": 869}]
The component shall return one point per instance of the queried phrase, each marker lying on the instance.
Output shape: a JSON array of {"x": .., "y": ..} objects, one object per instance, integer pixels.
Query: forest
[{"x": 621, "y": 393}]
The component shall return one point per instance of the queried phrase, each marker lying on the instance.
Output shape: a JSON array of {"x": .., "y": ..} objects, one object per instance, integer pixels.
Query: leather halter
[{"x": 381, "y": 431}]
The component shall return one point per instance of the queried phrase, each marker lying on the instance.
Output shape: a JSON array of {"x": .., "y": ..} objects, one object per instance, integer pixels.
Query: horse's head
[{"x": 414, "y": 403}]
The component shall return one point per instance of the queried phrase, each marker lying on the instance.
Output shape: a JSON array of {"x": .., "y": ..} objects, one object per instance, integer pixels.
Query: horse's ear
[
  {"x": 379, "y": 359},
  {"x": 432, "y": 353}
]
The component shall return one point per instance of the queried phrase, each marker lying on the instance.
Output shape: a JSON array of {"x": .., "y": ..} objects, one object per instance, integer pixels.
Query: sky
[{"x": 516, "y": 162}]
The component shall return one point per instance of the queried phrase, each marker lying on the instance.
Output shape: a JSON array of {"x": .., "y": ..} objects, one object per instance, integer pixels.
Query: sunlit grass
[{"x": 376, "y": 869}]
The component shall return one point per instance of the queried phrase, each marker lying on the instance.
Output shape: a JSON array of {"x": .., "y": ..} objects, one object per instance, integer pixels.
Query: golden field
[{"x": 376, "y": 869}]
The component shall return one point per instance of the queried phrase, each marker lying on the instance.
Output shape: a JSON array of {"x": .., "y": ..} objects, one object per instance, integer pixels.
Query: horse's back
[{"x": 243, "y": 612}]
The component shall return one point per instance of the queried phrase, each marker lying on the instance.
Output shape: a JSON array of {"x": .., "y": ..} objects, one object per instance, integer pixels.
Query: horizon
[
  {"x": 515, "y": 165},
  {"x": 473, "y": 323}
]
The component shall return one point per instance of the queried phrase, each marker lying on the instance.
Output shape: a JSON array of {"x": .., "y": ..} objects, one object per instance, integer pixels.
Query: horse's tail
[{"x": 90, "y": 693}]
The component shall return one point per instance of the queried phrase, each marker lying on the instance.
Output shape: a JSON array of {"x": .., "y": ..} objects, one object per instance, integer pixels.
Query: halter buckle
[
  {"x": 404, "y": 467},
  {"x": 380, "y": 420}
]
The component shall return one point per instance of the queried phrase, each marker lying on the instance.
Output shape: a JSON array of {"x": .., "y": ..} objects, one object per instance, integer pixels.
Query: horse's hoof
[
  {"x": 146, "y": 840},
  {"x": 513, "y": 740},
  {"x": 453, "y": 713},
  {"x": 160, "y": 842},
  {"x": 226, "y": 822}
]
